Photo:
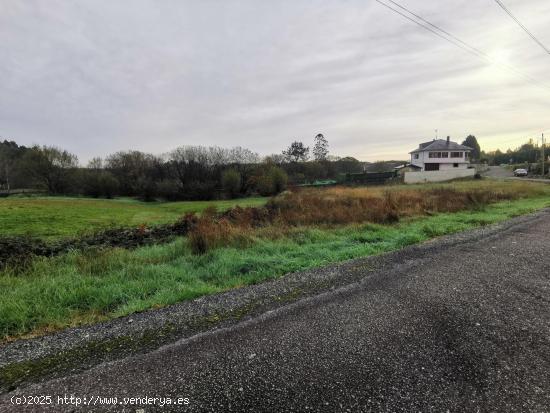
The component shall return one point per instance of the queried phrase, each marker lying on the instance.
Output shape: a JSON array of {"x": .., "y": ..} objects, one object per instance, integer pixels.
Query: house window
[
  {"x": 455, "y": 165},
  {"x": 456, "y": 154},
  {"x": 431, "y": 167},
  {"x": 439, "y": 154},
  {"x": 466, "y": 155},
  {"x": 415, "y": 156}
]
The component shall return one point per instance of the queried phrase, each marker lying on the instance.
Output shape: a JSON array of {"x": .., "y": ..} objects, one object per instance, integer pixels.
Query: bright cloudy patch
[{"x": 98, "y": 76}]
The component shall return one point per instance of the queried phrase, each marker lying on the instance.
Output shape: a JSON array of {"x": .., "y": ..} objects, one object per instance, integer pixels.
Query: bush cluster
[
  {"x": 185, "y": 173},
  {"x": 339, "y": 206}
]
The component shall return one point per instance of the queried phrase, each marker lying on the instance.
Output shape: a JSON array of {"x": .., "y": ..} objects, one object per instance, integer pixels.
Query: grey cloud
[{"x": 98, "y": 76}]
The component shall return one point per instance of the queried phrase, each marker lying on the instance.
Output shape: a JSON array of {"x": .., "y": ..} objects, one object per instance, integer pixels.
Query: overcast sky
[{"x": 99, "y": 76}]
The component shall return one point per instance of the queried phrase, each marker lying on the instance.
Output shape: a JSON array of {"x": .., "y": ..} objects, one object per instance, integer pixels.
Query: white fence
[{"x": 437, "y": 176}]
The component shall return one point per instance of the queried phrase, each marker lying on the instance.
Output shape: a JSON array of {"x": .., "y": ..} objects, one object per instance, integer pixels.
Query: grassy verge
[
  {"x": 85, "y": 287},
  {"x": 58, "y": 217}
]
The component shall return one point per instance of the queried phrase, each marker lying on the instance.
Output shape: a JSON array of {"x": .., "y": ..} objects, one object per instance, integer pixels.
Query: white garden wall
[{"x": 438, "y": 176}]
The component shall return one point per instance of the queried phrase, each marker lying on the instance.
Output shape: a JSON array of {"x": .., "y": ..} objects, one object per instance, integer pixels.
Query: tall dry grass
[{"x": 340, "y": 205}]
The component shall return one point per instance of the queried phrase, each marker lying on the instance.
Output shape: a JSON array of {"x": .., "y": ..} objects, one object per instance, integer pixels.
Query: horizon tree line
[
  {"x": 185, "y": 173},
  {"x": 193, "y": 172}
]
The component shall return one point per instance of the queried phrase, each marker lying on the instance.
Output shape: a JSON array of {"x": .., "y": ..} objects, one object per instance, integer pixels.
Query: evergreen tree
[
  {"x": 320, "y": 148},
  {"x": 471, "y": 142},
  {"x": 297, "y": 152}
]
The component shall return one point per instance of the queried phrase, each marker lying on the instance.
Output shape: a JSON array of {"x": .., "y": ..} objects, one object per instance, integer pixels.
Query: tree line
[
  {"x": 529, "y": 152},
  {"x": 185, "y": 173}
]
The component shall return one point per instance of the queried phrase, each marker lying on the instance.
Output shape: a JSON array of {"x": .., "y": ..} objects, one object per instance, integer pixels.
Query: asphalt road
[
  {"x": 498, "y": 172},
  {"x": 464, "y": 330}
]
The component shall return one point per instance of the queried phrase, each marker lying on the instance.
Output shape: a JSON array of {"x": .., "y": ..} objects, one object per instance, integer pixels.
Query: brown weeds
[
  {"x": 339, "y": 206},
  {"x": 210, "y": 233}
]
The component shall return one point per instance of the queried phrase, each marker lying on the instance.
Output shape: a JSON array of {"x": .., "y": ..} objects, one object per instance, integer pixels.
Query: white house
[{"x": 441, "y": 154}]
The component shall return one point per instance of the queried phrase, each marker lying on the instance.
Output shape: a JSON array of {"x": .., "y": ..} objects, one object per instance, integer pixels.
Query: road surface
[
  {"x": 464, "y": 330},
  {"x": 498, "y": 172}
]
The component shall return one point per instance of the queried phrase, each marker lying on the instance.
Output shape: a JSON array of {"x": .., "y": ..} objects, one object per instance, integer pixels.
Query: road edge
[{"x": 77, "y": 349}]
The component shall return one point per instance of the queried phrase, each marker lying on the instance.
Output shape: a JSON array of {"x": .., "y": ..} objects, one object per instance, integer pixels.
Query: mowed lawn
[{"x": 58, "y": 217}]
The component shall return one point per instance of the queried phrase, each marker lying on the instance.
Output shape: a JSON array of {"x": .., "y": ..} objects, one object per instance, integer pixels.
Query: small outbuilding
[{"x": 407, "y": 167}]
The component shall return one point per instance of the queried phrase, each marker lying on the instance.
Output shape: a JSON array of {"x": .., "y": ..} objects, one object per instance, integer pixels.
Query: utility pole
[{"x": 542, "y": 149}]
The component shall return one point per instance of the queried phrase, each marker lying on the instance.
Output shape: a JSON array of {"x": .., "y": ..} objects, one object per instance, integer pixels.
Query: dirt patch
[{"x": 19, "y": 251}]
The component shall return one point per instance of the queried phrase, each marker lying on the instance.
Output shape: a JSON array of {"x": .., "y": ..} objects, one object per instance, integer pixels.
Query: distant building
[
  {"x": 407, "y": 167},
  {"x": 441, "y": 154}
]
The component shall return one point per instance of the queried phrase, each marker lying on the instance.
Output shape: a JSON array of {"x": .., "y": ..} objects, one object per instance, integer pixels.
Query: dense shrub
[
  {"x": 272, "y": 181},
  {"x": 99, "y": 184},
  {"x": 278, "y": 179},
  {"x": 108, "y": 184},
  {"x": 197, "y": 190},
  {"x": 231, "y": 182},
  {"x": 147, "y": 189},
  {"x": 170, "y": 190}
]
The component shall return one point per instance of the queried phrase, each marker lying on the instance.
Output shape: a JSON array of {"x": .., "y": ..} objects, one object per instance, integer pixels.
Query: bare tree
[
  {"x": 95, "y": 163},
  {"x": 137, "y": 172},
  {"x": 50, "y": 166},
  {"x": 276, "y": 158}
]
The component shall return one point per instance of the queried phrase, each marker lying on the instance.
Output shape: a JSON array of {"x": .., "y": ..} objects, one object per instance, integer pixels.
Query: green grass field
[
  {"x": 57, "y": 217},
  {"x": 85, "y": 287}
]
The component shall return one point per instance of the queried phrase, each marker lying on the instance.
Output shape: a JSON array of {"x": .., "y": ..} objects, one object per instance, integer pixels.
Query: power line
[
  {"x": 425, "y": 24},
  {"x": 427, "y": 27},
  {"x": 477, "y": 51},
  {"x": 522, "y": 26},
  {"x": 458, "y": 42}
]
